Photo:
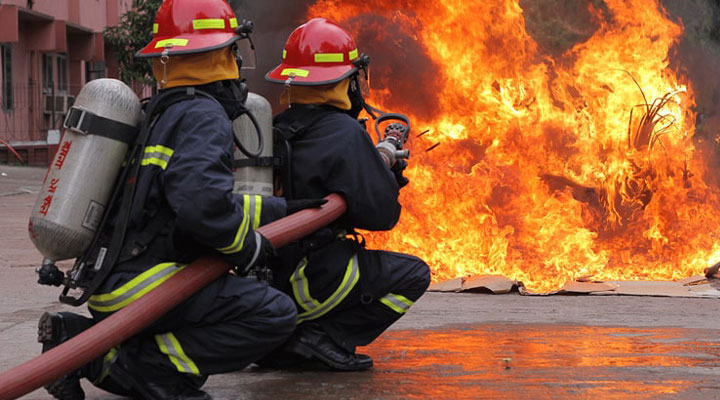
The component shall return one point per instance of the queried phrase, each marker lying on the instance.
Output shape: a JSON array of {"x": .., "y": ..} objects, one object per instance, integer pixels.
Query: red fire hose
[{"x": 130, "y": 320}]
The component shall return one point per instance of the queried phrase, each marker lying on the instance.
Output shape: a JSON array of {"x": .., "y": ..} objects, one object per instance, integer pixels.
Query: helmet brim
[
  {"x": 193, "y": 44},
  {"x": 314, "y": 76}
]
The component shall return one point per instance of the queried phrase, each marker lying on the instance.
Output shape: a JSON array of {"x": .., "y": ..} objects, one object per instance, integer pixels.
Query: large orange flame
[{"x": 549, "y": 168}]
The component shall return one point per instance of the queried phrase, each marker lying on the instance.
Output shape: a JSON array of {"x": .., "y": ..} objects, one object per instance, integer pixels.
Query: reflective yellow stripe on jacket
[
  {"x": 157, "y": 155},
  {"x": 240, "y": 235},
  {"x": 313, "y": 308},
  {"x": 253, "y": 208},
  {"x": 134, "y": 289}
]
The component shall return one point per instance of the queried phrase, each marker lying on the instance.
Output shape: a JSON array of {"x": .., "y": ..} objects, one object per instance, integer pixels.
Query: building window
[
  {"x": 94, "y": 70},
  {"x": 7, "y": 81},
  {"x": 47, "y": 73},
  {"x": 62, "y": 77}
]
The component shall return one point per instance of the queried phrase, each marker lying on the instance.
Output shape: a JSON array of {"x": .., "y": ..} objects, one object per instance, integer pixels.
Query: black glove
[
  {"x": 266, "y": 250},
  {"x": 397, "y": 170},
  {"x": 294, "y": 206}
]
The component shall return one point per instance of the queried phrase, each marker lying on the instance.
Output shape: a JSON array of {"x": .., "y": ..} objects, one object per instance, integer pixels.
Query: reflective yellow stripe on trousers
[
  {"x": 108, "y": 361},
  {"x": 170, "y": 346},
  {"x": 313, "y": 308},
  {"x": 397, "y": 302},
  {"x": 134, "y": 289}
]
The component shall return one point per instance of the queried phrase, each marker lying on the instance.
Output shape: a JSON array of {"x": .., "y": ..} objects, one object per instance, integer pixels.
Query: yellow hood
[
  {"x": 335, "y": 95},
  {"x": 196, "y": 69}
]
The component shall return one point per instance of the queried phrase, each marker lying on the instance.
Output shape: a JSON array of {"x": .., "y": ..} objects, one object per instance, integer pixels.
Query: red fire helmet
[
  {"x": 191, "y": 26},
  {"x": 318, "y": 52}
]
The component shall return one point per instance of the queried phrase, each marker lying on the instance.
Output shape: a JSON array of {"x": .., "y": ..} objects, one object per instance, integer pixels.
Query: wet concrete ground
[
  {"x": 449, "y": 346},
  {"x": 502, "y": 361}
]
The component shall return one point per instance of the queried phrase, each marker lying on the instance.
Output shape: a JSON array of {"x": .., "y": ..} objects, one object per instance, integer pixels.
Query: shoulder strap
[
  {"x": 306, "y": 119},
  {"x": 283, "y": 135}
]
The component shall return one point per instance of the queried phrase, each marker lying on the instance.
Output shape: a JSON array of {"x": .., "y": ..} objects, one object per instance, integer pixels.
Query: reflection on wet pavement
[{"x": 513, "y": 361}]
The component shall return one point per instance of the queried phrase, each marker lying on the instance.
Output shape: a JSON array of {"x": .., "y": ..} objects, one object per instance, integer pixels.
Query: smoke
[
  {"x": 400, "y": 67},
  {"x": 399, "y": 64},
  {"x": 697, "y": 55},
  {"x": 557, "y": 26},
  {"x": 274, "y": 21}
]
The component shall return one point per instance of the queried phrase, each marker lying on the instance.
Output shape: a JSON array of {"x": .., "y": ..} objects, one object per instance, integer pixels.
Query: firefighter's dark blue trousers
[{"x": 224, "y": 327}]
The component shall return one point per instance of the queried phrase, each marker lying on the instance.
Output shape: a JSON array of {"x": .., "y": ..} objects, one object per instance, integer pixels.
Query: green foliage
[{"x": 133, "y": 32}]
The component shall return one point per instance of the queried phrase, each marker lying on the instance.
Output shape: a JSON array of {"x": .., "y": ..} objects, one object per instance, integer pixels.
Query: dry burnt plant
[{"x": 618, "y": 202}]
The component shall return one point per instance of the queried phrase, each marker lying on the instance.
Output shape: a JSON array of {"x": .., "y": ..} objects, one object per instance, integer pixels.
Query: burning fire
[{"x": 548, "y": 169}]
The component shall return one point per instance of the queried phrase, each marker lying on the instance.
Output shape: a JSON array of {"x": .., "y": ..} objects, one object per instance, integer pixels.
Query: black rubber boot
[
  {"x": 54, "y": 329},
  {"x": 311, "y": 341},
  {"x": 282, "y": 359},
  {"x": 175, "y": 387}
]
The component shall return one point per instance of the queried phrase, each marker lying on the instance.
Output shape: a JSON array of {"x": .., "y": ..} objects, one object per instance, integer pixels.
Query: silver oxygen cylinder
[
  {"x": 80, "y": 179},
  {"x": 255, "y": 179}
]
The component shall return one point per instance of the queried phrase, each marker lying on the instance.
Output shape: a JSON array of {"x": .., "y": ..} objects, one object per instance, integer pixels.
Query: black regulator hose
[{"x": 261, "y": 142}]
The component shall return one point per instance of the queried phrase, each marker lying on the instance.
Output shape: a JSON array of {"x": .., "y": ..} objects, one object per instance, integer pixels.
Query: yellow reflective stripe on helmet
[
  {"x": 352, "y": 274},
  {"x": 284, "y": 54},
  {"x": 239, "y": 240},
  {"x": 303, "y": 73},
  {"x": 329, "y": 57},
  {"x": 353, "y": 54},
  {"x": 156, "y": 27},
  {"x": 134, "y": 289},
  {"x": 171, "y": 43},
  {"x": 170, "y": 346},
  {"x": 108, "y": 360},
  {"x": 301, "y": 288},
  {"x": 397, "y": 302},
  {"x": 233, "y": 23},
  {"x": 209, "y": 23},
  {"x": 157, "y": 155},
  {"x": 252, "y": 204}
]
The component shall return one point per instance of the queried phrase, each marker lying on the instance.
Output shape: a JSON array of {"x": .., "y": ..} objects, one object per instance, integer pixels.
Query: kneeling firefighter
[
  {"x": 183, "y": 207},
  {"x": 346, "y": 295}
]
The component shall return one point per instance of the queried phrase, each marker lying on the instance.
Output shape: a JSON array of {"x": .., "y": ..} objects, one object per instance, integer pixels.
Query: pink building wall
[{"x": 66, "y": 34}]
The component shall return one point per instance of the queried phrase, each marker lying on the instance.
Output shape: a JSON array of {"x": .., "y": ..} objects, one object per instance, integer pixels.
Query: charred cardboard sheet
[
  {"x": 450, "y": 285},
  {"x": 696, "y": 286},
  {"x": 574, "y": 288},
  {"x": 495, "y": 284}
]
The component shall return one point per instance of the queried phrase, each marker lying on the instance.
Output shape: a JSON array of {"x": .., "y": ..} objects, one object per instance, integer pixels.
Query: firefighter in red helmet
[
  {"x": 346, "y": 295},
  {"x": 183, "y": 207}
]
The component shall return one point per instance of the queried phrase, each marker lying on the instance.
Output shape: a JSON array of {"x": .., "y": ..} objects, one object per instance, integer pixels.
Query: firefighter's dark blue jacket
[
  {"x": 183, "y": 208},
  {"x": 335, "y": 155},
  {"x": 185, "y": 187}
]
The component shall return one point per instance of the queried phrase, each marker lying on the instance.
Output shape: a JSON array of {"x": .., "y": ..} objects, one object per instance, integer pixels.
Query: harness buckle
[
  {"x": 75, "y": 118},
  {"x": 366, "y": 298}
]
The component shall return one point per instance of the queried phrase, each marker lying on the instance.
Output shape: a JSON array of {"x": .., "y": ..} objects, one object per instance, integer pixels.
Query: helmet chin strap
[
  {"x": 236, "y": 54},
  {"x": 164, "y": 58},
  {"x": 286, "y": 89}
]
